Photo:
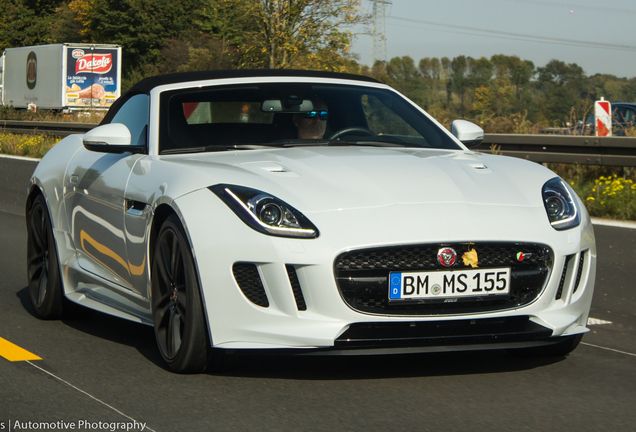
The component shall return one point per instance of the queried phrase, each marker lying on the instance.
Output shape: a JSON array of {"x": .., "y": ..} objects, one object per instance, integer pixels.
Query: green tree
[
  {"x": 479, "y": 72},
  {"x": 432, "y": 75},
  {"x": 459, "y": 83},
  {"x": 197, "y": 53},
  {"x": 561, "y": 85},
  {"x": 406, "y": 78},
  {"x": 143, "y": 28},
  {"x": 285, "y": 31},
  {"x": 430, "y": 68},
  {"x": 510, "y": 88},
  {"x": 521, "y": 73},
  {"x": 26, "y": 22},
  {"x": 229, "y": 21}
]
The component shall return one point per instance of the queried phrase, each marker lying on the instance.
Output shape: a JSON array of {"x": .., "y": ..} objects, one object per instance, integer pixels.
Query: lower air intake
[
  {"x": 579, "y": 271},
  {"x": 249, "y": 280},
  {"x": 295, "y": 284},
  {"x": 564, "y": 274}
]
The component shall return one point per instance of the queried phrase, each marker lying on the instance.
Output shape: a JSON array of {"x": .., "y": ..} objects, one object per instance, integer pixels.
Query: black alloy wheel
[
  {"x": 43, "y": 271},
  {"x": 180, "y": 327}
]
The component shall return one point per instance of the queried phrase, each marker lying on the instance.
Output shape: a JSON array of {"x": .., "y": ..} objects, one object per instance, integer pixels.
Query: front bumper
[{"x": 322, "y": 319}]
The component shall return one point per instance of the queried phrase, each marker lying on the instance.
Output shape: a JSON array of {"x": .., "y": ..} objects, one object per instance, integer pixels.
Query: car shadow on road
[
  {"x": 303, "y": 367},
  {"x": 101, "y": 325}
]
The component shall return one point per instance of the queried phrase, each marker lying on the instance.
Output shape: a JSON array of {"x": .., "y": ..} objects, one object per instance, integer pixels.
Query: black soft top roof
[{"x": 147, "y": 84}]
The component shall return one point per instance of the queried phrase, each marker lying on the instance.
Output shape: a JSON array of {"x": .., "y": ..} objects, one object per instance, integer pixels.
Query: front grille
[
  {"x": 249, "y": 280},
  {"x": 362, "y": 276}
]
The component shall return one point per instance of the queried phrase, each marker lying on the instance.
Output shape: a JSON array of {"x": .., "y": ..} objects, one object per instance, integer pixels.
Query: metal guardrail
[
  {"x": 584, "y": 150},
  {"x": 49, "y": 128}
]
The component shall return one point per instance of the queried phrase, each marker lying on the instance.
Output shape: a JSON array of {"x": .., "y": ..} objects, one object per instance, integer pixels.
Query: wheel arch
[
  {"x": 161, "y": 214},
  {"x": 34, "y": 191}
]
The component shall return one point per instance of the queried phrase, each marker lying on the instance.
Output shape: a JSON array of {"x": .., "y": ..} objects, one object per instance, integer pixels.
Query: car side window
[
  {"x": 619, "y": 114},
  {"x": 134, "y": 115}
]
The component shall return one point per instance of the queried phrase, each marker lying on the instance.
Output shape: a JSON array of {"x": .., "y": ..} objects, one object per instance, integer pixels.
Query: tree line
[
  {"x": 503, "y": 85},
  {"x": 162, "y": 36}
]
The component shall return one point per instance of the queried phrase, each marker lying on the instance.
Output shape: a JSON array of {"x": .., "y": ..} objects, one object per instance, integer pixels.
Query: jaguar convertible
[{"x": 305, "y": 213}]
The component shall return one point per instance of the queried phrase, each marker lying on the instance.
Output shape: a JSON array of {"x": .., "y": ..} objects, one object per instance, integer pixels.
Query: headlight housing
[
  {"x": 560, "y": 205},
  {"x": 264, "y": 212}
]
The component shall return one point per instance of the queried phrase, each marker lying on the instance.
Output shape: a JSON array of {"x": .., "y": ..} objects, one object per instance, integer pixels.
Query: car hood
[{"x": 315, "y": 179}]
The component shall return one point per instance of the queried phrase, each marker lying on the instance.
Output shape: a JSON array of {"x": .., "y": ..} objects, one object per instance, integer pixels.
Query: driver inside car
[{"x": 312, "y": 124}]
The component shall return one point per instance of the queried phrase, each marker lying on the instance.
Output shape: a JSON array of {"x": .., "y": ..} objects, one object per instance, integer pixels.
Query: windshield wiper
[
  {"x": 338, "y": 143},
  {"x": 305, "y": 143},
  {"x": 251, "y": 146},
  {"x": 215, "y": 148},
  {"x": 183, "y": 150}
]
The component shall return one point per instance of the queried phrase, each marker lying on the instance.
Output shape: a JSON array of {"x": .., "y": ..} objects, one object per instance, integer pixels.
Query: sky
[{"x": 596, "y": 35}]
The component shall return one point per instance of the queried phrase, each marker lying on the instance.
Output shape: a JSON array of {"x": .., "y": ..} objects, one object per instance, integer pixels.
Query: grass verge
[
  {"x": 31, "y": 145},
  {"x": 8, "y": 113},
  {"x": 608, "y": 192}
]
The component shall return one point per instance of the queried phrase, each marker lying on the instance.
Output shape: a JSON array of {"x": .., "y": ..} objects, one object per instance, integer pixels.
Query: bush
[
  {"x": 613, "y": 197},
  {"x": 9, "y": 113},
  {"x": 31, "y": 145},
  {"x": 608, "y": 192}
]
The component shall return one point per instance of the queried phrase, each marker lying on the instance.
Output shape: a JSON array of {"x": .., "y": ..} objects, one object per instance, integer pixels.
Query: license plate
[{"x": 448, "y": 284}]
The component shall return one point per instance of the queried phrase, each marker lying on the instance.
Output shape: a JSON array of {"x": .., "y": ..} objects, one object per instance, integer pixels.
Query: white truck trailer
[{"x": 61, "y": 76}]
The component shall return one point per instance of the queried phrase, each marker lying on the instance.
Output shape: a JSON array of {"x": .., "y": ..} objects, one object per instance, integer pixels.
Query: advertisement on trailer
[{"x": 91, "y": 77}]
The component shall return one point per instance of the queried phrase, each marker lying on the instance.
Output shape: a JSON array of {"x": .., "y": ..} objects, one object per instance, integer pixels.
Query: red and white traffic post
[{"x": 603, "y": 118}]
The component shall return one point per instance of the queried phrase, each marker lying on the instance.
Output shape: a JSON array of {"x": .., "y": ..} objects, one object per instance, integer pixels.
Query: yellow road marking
[{"x": 12, "y": 352}]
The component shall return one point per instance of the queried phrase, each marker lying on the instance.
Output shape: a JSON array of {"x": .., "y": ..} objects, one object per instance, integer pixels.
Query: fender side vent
[
  {"x": 566, "y": 266},
  {"x": 579, "y": 272},
  {"x": 249, "y": 280},
  {"x": 295, "y": 284}
]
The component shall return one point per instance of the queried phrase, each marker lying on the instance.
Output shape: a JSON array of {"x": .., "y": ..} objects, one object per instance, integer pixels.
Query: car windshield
[{"x": 285, "y": 115}]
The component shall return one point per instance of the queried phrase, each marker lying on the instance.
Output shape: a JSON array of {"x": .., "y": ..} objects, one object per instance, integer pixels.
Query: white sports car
[{"x": 308, "y": 212}]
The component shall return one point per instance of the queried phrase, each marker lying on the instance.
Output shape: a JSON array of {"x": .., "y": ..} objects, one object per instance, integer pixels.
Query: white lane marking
[
  {"x": 24, "y": 158},
  {"x": 87, "y": 394},
  {"x": 596, "y": 321},
  {"x": 614, "y": 223},
  {"x": 609, "y": 349}
]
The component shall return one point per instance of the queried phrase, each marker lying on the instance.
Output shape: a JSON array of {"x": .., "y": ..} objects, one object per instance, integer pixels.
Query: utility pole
[{"x": 378, "y": 31}]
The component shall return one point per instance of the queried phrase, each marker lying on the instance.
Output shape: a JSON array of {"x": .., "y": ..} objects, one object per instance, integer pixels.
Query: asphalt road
[{"x": 101, "y": 369}]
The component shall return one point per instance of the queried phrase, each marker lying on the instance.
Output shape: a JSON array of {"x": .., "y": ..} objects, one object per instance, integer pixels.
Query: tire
[
  {"x": 180, "y": 327},
  {"x": 559, "y": 349},
  {"x": 43, "y": 269}
]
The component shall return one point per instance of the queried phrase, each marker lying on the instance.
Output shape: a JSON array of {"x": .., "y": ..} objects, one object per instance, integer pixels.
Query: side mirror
[
  {"x": 468, "y": 133},
  {"x": 111, "y": 138}
]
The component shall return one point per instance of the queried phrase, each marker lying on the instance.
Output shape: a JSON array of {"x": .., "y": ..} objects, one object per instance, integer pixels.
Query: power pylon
[{"x": 378, "y": 30}]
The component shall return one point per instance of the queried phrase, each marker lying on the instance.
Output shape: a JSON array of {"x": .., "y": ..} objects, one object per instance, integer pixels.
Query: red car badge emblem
[{"x": 446, "y": 256}]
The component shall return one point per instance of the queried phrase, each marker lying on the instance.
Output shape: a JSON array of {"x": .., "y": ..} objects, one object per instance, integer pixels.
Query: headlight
[
  {"x": 265, "y": 213},
  {"x": 560, "y": 205}
]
